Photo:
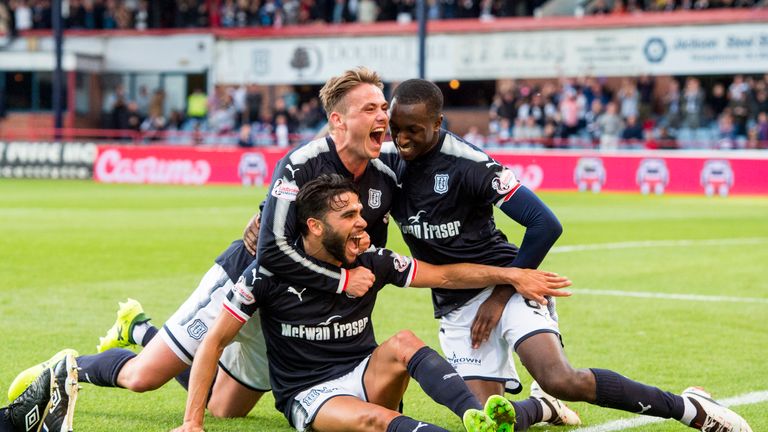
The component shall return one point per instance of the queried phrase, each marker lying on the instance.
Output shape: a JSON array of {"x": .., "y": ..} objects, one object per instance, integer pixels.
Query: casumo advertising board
[
  {"x": 185, "y": 165},
  {"x": 51, "y": 160},
  {"x": 710, "y": 173}
]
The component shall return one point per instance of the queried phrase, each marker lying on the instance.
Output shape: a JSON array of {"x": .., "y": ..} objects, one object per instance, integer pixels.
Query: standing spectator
[
  {"x": 123, "y": 17},
  {"x": 761, "y": 128},
  {"x": 611, "y": 126},
  {"x": 5, "y": 21},
  {"x": 645, "y": 86},
  {"x": 718, "y": 101},
  {"x": 222, "y": 116},
  {"x": 239, "y": 95},
  {"x": 156, "y": 105},
  {"x": 142, "y": 100},
  {"x": 197, "y": 105},
  {"x": 590, "y": 120},
  {"x": 22, "y": 15},
  {"x": 692, "y": 104},
  {"x": 253, "y": 101},
  {"x": 761, "y": 100},
  {"x": 737, "y": 87},
  {"x": 141, "y": 16},
  {"x": 367, "y": 11},
  {"x": 629, "y": 99},
  {"x": 110, "y": 15},
  {"x": 739, "y": 110},
  {"x": 671, "y": 102},
  {"x": 228, "y": 13},
  {"x": 569, "y": 113},
  {"x": 41, "y": 15},
  {"x": 282, "y": 134}
]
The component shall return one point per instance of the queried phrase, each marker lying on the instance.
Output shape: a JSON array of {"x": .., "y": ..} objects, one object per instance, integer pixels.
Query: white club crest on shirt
[
  {"x": 441, "y": 183},
  {"x": 374, "y": 198}
]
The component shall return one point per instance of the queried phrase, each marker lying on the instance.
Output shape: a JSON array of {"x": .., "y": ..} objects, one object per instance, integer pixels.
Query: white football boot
[
  {"x": 711, "y": 416},
  {"x": 561, "y": 414}
]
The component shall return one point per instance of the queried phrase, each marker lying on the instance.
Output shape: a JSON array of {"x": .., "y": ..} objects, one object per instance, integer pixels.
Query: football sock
[
  {"x": 619, "y": 392},
  {"x": 142, "y": 333},
  {"x": 406, "y": 424},
  {"x": 690, "y": 412},
  {"x": 102, "y": 369},
  {"x": 441, "y": 382},
  {"x": 6, "y": 425},
  {"x": 528, "y": 412}
]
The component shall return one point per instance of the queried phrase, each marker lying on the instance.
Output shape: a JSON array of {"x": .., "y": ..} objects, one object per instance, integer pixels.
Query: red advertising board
[
  {"x": 185, "y": 165},
  {"x": 709, "y": 173},
  {"x": 720, "y": 173}
]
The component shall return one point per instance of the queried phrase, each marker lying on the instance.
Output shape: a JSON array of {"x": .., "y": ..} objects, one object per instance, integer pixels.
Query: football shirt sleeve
[
  {"x": 498, "y": 185},
  {"x": 279, "y": 232},
  {"x": 390, "y": 267},
  {"x": 241, "y": 301}
]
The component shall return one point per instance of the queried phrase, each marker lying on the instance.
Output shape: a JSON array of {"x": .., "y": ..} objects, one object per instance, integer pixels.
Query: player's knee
[
  {"x": 566, "y": 383},
  {"x": 225, "y": 410},
  {"x": 373, "y": 420},
  {"x": 407, "y": 344},
  {"x": 139, "y": 383}
]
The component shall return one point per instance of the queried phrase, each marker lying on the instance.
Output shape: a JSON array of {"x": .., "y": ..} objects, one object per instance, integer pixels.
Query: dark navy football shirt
[
  {"x": 445, "y": 209},
  {"x": 314, "y": 336},
  {"x": 279, "y": 230}
]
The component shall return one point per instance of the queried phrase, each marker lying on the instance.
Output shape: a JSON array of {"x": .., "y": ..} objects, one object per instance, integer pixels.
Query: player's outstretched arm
[
  {"x": 531, "y": 284},
  {"x": 204, "y": 369}
]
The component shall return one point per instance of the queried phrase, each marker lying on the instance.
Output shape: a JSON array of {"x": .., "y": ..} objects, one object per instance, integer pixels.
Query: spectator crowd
[
  {"x": 19, "y": 15},
  {"x": 233, "y": 115},
  {"x": 636, "y": 112},
  {"x": 567, "y": 113}
]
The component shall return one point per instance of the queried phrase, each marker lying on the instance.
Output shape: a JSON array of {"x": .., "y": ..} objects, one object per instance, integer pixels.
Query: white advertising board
[{"x": 701, "y": 49}]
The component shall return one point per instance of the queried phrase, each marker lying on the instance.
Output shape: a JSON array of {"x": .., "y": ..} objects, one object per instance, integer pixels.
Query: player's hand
[
  {"x": 251, "y": 234},
  {"x": 188, "y": 427},
  {"x": 360, "y": 281},
  {"x": 535, "y": 284},
  {"x": 489, "y": 314}
]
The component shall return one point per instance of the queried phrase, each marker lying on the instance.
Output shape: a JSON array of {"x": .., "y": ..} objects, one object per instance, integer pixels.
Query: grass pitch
[{"x": 70, "y": 250}]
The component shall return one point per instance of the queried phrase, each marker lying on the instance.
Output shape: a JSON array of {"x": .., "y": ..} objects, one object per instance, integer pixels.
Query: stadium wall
[{"x": 711, "y": 173}]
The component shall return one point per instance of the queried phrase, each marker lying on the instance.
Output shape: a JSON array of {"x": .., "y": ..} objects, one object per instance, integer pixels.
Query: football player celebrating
[
  {"x": 449, "y": 188},
  {"x": 327, "y": 371}
]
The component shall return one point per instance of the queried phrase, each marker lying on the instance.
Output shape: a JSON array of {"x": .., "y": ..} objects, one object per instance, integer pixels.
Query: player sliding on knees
[
  {"x": 449, "y": 182},
  {"x": 318, "y": 341}
]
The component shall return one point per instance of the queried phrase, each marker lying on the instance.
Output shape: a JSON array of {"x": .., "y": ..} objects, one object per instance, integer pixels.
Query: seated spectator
[
  {"x": 473, "y": 136},
  {"x": 726, "y": 131},
  {"x": 633, "y": 131}
]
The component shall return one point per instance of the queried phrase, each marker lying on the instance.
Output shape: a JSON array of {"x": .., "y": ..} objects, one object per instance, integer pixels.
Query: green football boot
[
  {"x": 129, "y": 315},
  {"x": 25, "y": 378},
  {"x": 502, "y": 412},
  {"x": 478, "y": 421}
]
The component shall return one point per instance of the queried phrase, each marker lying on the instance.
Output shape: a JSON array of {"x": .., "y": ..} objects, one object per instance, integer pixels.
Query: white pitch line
[
  {"x": 659, "y": 243},
  {"x": 618, "y": 425},
  {"x": 670, "y": 296}
]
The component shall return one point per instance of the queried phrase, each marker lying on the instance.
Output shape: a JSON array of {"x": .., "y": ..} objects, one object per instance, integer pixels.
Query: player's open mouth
[
  {"x": 353, "y": 243},
  {"x": 377, "y": 135}
]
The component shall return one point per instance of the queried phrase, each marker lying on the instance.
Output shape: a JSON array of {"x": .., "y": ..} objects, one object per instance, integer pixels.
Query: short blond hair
[{"x": 336, "y": 88}]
